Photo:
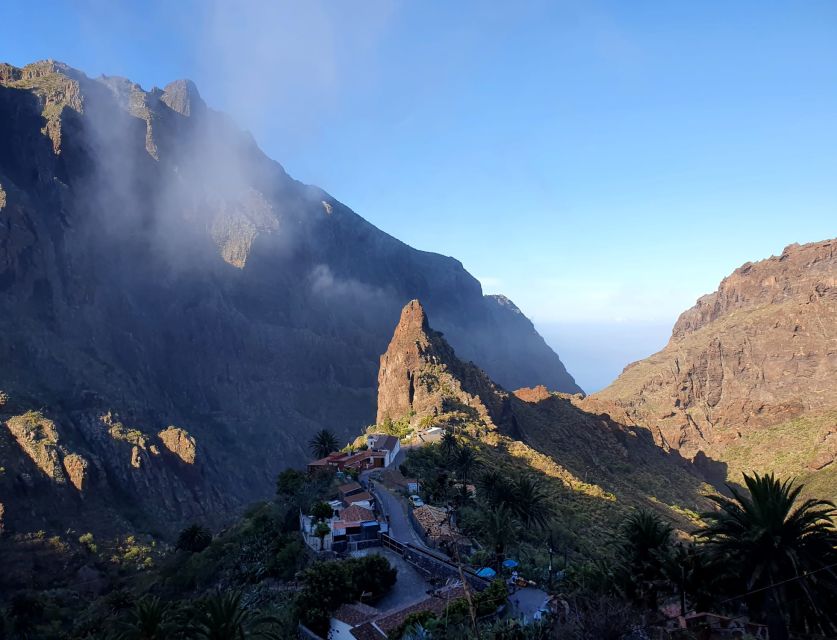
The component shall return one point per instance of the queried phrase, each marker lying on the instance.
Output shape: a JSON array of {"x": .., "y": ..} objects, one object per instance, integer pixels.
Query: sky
[{"x": 603, "y": 164}]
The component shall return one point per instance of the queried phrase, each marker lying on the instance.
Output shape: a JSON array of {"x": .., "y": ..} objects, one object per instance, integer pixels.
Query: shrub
[
  {"x": 194, "y": 539},
  {"x": 86, "y": 540},
  {"x": 290, "y": 482},
  {"x": 327, "y": 585},
  {"x": 321, "y": 511}
]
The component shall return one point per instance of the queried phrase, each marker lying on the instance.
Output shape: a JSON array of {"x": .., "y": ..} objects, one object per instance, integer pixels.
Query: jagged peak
[
  {"x": 183, "y": 97},
  {"x": 413, "y": 319}
]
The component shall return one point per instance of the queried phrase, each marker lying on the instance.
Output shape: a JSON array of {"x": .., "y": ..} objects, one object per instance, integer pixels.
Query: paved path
[
  {"x": 526, "y": 602},
  {"x": 410, "y": 586},
  {"x": 400, "y": 526}
]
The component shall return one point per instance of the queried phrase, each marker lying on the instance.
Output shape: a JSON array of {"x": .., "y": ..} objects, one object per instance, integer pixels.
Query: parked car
[{"x": 416, "y": 501}]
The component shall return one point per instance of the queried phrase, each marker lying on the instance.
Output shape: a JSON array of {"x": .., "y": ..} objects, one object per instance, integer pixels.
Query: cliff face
[
  {"x": 157, "y": 270},
  {"x": 422, "y": 379},
  {"x": 742, "y": 365},
  {"x": 421, "y": 375}
]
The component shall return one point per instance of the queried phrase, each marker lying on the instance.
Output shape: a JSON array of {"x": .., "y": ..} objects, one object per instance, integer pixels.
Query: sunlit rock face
[
  {"x": 749, "y": 376},
  {"x": 157, "y": 269}
]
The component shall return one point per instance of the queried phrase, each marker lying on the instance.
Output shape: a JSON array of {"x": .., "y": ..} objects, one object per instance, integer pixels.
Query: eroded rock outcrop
[
  {"x": 38, "y": 437},
  {"x": 76, "y": 468},
  {"x": 421, "y": 375},
  {"x": 180, "y": 443}
]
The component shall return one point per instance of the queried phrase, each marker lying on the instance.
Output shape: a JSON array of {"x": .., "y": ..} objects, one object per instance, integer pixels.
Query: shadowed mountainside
[{"x": 178, "y": 315}]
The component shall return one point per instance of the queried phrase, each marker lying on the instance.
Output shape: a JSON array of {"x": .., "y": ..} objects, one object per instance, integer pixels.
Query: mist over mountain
[{"x": 178, "y": 315}]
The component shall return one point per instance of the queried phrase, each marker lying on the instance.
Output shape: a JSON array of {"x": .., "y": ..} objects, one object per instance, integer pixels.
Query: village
[{"x": 377, "y": 510}]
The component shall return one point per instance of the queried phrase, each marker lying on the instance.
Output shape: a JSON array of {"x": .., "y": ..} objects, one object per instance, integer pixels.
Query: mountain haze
[{"x": 178, "y": 315}]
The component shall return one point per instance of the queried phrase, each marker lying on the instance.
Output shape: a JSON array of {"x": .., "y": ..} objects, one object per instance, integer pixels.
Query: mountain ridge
[
  {"x": 758, "y": 354},
  {"x": 158, "y": 270},
  {"x": 600, "y": 467}
]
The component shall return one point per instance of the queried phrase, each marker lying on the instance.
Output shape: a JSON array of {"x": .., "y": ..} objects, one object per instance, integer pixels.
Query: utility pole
[{"x": 471, "y": 610}]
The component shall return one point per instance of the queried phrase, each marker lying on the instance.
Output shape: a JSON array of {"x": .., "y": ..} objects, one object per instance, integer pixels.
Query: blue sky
[{"x": 601, "y": 163}]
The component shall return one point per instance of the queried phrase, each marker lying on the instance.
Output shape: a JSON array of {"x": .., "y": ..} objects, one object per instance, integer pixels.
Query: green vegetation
[
  {"x": 194, "y": 539},
  {"x": 86, "y": 540},
  {"x": 785, "y": 449},
  {"x": 764, "y": 548},
  {"x": 323, "y": 443},
  {"x": 321, "y": 511},
  {"x": 400, "y": 428},
  {"x": 327, "y": 585},
  {"x": 786, "y": 549},
  {"x": 232, "y": 585}
]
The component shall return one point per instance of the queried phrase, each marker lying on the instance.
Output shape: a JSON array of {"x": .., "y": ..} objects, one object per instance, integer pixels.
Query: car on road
[{"x": 416, "y": 501}]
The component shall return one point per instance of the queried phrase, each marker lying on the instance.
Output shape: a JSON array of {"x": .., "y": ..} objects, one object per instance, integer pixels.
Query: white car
[{"x": 416, "y": 501}]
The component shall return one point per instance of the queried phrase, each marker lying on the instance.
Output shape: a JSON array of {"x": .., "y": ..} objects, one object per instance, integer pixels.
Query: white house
[{"x": 383, "y": 443}]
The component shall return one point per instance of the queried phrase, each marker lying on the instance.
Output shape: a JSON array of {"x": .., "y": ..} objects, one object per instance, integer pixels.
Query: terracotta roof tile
[
  {"x": 355, "y": 614},
  {"x": 359, "y": 497},
  {"x": 356, "y": 514}
]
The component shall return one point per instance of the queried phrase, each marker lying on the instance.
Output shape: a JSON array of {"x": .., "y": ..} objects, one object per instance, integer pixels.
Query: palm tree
[
  {"x": 194, "y": 538},
  {"x": 783, "y": 549},
  {"x": 697, "y": 575},
  {"x": 530, "y": 503},
  {"x": 448, "y": 444},
  {"x": 148, "y": 620},
  {"x": 645, "y": 535},
  {"x": 466, "y": 460},
  {"x": 500, "y": 530},
  {"x": 645, "y": 547},
  {"x": 496, "y": 488},
  {"x": 224, "y": 618},
  {"x": 323, "y": 443}
]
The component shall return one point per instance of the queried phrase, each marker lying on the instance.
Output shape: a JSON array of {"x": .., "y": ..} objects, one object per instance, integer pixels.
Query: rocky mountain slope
[
  {"x": 178, "y": 315},
  {"x": 596, "y": 467},
  {"x": 749, "y": 377}
]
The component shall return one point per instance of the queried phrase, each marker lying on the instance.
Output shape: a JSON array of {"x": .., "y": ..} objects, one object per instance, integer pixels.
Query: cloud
[
  {"x": 325, "y": 283},
  {"x": 275, "y": 61},
  {"x": 490, "y": 284}
]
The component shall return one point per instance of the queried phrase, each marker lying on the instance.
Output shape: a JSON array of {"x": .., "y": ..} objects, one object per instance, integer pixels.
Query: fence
[{"x": 431, "y": 564}]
